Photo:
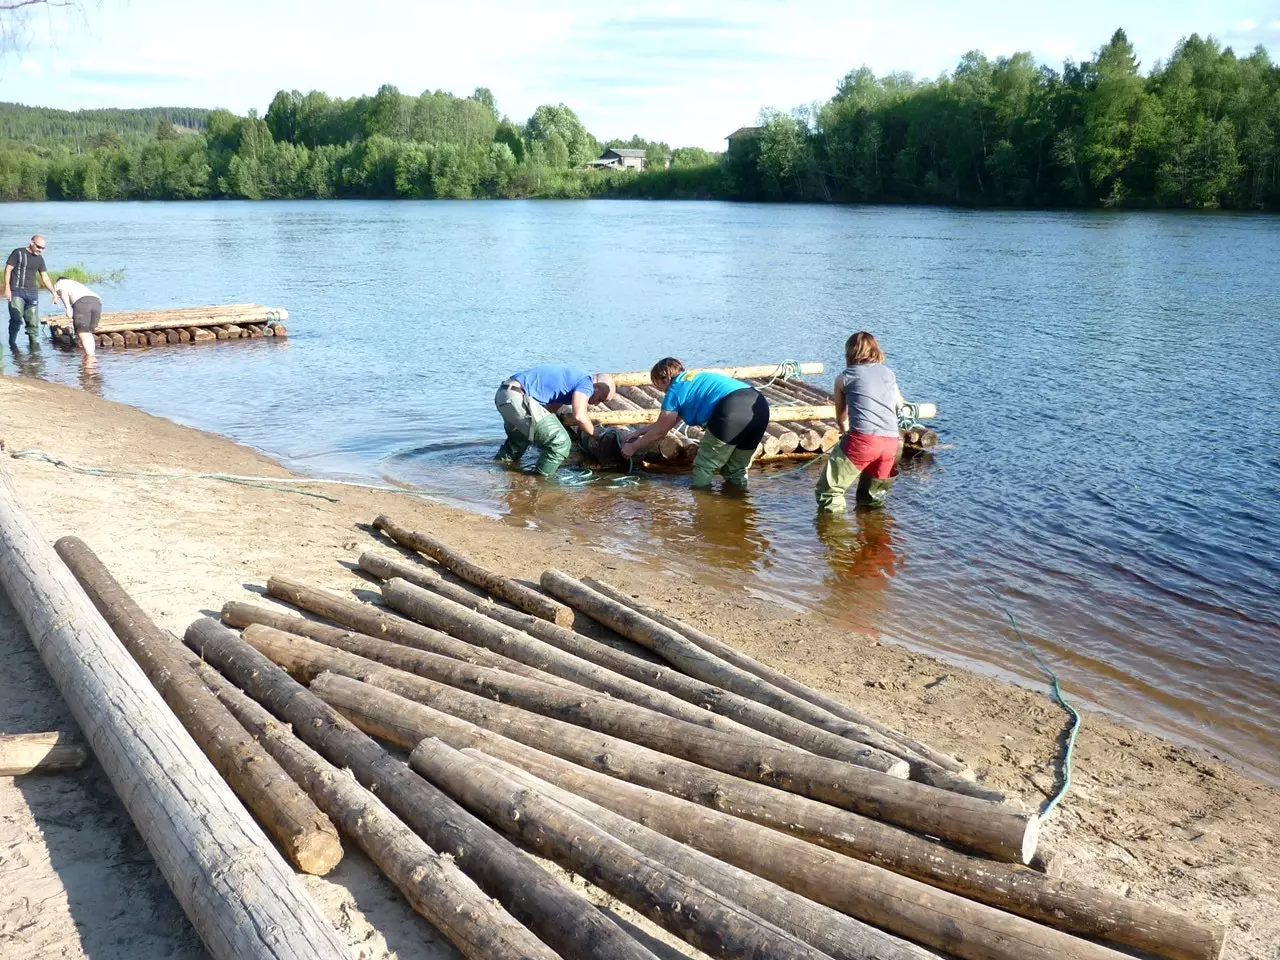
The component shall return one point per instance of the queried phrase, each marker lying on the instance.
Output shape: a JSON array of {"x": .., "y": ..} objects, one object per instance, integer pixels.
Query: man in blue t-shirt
[{"x": 528, "y": 402}]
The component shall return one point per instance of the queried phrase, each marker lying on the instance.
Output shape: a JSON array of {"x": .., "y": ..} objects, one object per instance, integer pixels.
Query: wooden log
[
  {"x": 184, "y": 335},
  {"x": 641, "y": 377},
  {"x": 149, "y": 320},
  {"x": 234, "y": 331},
  {"x": 788, "y": 440},
  {"x": 221, "y": 332},
  {"x": 777, "y": 678},
  {"x": 202, "y": 336},
  {"x": 117, "y": 339},
  {"x": 637, "y": 395},
  {"x": 770, "y": 845},
  {"x": 837, "y": 936},
  {"x": 433, "y": 884},
  {"x": 674, "y": 447},
  {"x": 504, "y": 588},
  {"x": 460, "y": 621},
  {"x": 627, "y": 417},
  {"x": 22, "y": 753},
  {"x": 131, "y": 339},
  {"x": 172, "y": 336},
  {"x": 563, "y": 920},
  {"x": 369, "y": 623},
  {"x": 102, "y": 339},
  {"x": 304, "y": 834},
  {"x": 693, "y": 660},
  {"x": 268, "y": 331},
  {"x": 241, "y": 897},
  {"x": 808, "y": 439},
  {"x": 280, "y": 331},
  {"x": 746, "y": 756},
  {"x": 714, "y": 924},
  {"x": 157, "y": 338},
  {"x": 440, "y": 608},
  {"x": 769, "y": 447}
]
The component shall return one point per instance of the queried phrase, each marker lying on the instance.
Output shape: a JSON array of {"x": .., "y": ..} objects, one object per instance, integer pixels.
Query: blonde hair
[
  {"x": 665, "y": 369},
  {"x": 862, "y": 348}
]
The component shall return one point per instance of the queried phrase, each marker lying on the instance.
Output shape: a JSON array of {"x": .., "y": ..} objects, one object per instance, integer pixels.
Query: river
[{"x": 1108, "y": 388}]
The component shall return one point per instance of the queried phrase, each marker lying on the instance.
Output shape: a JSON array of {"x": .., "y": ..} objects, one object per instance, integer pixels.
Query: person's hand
[
  {"x": 7, "y": 294},
  {"x": 629, "y": 447}
]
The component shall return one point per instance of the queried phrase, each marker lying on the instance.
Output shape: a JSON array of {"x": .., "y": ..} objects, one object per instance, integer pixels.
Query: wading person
[
  {"x": 528, "y": 402},
  {"x": 24, "y": 272},
  {"x": 84, "y": 310},
  {"x": 734, "y": 416},
  {"x": 867, "y": 402}
]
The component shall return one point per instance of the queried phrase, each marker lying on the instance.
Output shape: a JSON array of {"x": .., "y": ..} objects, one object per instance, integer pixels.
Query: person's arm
[
  {"x": 48, "y": 284},
  {"x": 842, "y": 409},
  {"x": 655, "y": 432},
  {"x": 579, "y": 405},
  {"x": 8, "y": 272},
  {"x": 66, "y": 302}
]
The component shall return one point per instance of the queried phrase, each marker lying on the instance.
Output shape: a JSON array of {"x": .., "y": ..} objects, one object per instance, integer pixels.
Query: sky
[{"x": 686, "y": 73}]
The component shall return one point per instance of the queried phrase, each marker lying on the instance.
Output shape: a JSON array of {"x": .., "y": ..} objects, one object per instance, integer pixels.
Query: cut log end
[{"x": 1030, "y": 839}]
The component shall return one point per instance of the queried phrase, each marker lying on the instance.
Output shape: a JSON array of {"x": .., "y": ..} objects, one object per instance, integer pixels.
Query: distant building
[{"x": 624, "y": 158}]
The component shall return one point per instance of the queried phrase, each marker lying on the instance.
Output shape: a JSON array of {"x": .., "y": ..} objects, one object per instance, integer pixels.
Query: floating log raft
[
  {"x": 802, "y": 422},
  {"x": 154, "y": 328}
]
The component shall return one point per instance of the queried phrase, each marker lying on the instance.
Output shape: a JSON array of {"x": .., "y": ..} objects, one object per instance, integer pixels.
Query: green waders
[
  {"x": 529, "y": 422},
  {"x": 716, "y": 456},
  {"x": 839, "y": 474}
]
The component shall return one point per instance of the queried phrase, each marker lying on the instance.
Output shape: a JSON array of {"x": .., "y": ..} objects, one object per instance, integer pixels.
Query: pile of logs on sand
[
  {"x": 730, "y": 804},
  {"x": 154, "y": 328},
  {"x": 803, "y": 423}
]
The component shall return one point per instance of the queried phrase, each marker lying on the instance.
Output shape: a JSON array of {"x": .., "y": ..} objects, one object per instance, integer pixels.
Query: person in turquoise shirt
[{"x": 734, "y": 416}]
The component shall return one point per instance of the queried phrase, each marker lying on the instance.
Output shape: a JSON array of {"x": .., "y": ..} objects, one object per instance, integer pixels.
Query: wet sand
[{"x": 1147, "y": 818}]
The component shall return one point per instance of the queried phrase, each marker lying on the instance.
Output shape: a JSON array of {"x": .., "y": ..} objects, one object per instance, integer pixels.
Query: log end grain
[
  {"x": 23, "y": 753},
  {"x": 318, "y": 850},
  {"x": 280, "y": 331}
]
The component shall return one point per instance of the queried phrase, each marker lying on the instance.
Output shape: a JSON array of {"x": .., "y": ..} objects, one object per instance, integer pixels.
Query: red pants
[{"x": 871, "y": 454}]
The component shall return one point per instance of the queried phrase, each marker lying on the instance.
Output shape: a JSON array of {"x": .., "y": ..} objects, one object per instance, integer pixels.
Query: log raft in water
[
  {"x": 240, "y": 895},
  {"x": 171, "y": 326},
  {"x": 433, "y": 884},
  {"x": 561, "y": 918},
  {"x": 305, "y": 834},
  {"x": 504, "y": 588},
  {"x": 640, "y": 378},
  {"x": 736, "y": 829}
]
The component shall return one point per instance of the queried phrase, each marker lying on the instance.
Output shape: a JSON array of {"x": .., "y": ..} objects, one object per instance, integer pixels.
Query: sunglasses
[{"x": 39, "y": 249}]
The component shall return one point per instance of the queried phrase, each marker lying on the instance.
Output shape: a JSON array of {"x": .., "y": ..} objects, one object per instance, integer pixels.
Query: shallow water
[{"x": 1107, "y": 382}]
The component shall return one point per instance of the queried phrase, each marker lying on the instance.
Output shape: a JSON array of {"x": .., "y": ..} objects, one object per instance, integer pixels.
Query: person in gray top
[{"x": 867, "y": 402}]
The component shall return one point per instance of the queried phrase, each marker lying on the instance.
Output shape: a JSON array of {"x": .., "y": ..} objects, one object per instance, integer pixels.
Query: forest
[{"x": 1198, "y": 130}]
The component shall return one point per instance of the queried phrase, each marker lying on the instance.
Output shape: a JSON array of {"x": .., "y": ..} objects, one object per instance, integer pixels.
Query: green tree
[{"x": 559, "y": 119}]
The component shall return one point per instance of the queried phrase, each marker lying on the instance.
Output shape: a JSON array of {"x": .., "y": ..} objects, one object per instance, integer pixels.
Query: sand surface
[{"x": 1146, "y": 818}]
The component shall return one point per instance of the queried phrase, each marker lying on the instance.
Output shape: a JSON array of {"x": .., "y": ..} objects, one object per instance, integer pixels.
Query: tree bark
[
  {"x": 446, "y": 613},
  {"x": 559, "y": 917},
  {"x": 715, "y": 925},
  {"x": 515, "y": 593},
  {"x": 836, "y": 935},
  {"x": 609, "y": 773},
  {"x": 22, "y": 753},
  {"x": 306, "y": 836},
  {"x": 241, "y": 897},
  {"x": 778, "y": 679},
  {"x": 433, "y": 884}
]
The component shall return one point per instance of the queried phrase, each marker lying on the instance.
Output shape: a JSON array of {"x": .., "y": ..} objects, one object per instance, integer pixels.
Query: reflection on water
[{"x": 1104, "y": 476}]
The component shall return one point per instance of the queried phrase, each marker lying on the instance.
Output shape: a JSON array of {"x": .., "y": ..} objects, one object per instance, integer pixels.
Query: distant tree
[
  {"x": 559, "y": 119},
  {"x": 165, "y": 130},
  {"x": 509, "y": 135},
  {"x": 484, "y": 97},
  {"x": 691, "y": 157},
  {"x": 557, "y": 151},
  {"x": 106, "y": 140}
]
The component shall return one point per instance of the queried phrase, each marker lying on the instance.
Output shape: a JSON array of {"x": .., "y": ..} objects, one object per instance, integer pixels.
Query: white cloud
[
  {"x": 1246, "y": 25},
  {"x": 33, "y": 67}
]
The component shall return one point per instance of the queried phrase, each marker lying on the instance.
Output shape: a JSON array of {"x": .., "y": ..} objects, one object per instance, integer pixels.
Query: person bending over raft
[
  {"x": 735, "y": 415},
  {"x": 528, "y": 402},
  {"x": 867, "y": 402}
]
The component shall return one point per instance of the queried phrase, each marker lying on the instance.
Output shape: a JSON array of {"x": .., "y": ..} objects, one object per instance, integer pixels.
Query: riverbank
[{"x": 1154, "y": 820}]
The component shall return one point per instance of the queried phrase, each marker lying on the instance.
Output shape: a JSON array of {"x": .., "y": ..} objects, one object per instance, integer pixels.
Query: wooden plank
[
  {"x": 562, "y": 919},
  {"x": 504, "y": 588},
  {"x": 305, "y": 834},
  {"x": 433, "y": 884},
  {"x": 763, "y": 831},
  {"x": 714, "y": 924},
  {"x": 640, "y": 378},
  {"x": 22, "y": 753},
  {"x": 241, "y": 897}
]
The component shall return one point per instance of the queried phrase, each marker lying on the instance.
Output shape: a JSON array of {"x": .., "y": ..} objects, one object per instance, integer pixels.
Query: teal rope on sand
[
  {"x": 1057, "y": 692},
  {"x": 263, "y": 483}
]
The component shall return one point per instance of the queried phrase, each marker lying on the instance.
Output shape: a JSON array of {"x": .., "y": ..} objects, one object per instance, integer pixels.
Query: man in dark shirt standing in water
[{"x": 24, "y": 271}]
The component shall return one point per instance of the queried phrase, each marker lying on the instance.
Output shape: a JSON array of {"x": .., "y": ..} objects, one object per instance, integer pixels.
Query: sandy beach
[{"x": 1146, "y": 818}]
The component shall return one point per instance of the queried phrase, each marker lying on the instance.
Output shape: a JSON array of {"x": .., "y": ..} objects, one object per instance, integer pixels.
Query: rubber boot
[
  {"x": 512, "y": 449},
  {"x": 713, "y": 454},
  {"x": 552, "y": 439},
  {"x": 874, "y": 491},
  {"x": 838, "y": 475},
  {"x": 735, "y": 470}
]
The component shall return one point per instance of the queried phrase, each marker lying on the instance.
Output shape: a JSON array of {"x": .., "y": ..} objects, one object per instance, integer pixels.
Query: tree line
[{"x": 1200, "y": 130}]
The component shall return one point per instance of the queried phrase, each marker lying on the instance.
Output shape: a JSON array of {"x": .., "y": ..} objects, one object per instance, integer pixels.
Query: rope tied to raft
[
  {"x": 281, "y": 484},
  {"x": 787, "y": 370}
]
